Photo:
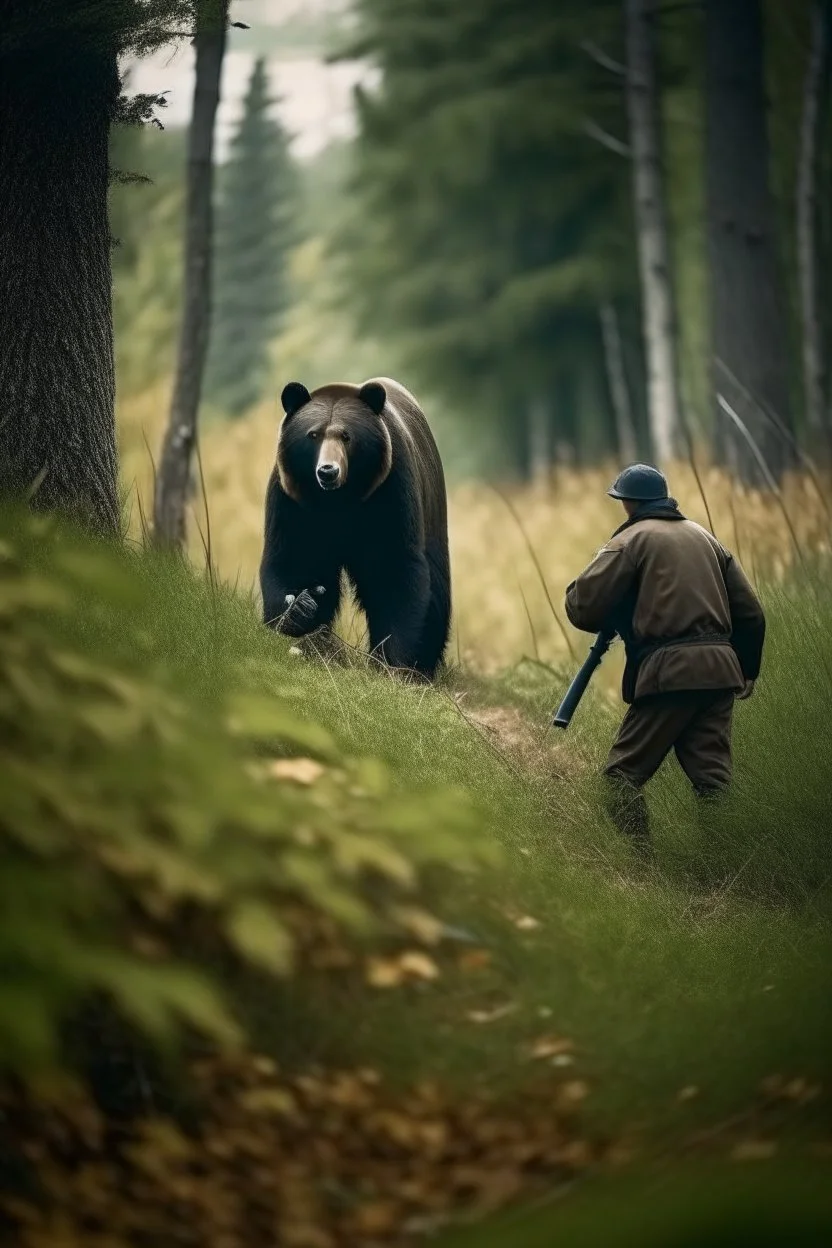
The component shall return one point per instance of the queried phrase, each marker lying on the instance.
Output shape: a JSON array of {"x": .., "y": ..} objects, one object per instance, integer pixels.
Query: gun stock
[{"x": 563, "y": 715}]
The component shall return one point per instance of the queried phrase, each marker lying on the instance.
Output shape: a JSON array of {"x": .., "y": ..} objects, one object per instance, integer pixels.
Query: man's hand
[{"x": 746, "y": 691}]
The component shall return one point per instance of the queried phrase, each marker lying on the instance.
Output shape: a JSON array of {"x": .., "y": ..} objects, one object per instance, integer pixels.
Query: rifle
[{"x": 577, "y": 689}]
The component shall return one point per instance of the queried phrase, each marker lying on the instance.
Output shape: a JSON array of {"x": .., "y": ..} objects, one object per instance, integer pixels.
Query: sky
[{"x": 314, "y": 99}]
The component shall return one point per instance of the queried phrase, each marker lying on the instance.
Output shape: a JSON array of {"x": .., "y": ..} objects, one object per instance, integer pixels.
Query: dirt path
[{"x": 532, "y": 748}]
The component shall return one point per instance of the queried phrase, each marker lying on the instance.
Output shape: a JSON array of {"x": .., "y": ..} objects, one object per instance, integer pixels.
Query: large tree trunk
[
  {"x": 747, "y": 297},
  {"x": 57, "y": 423},
  {"x": 815, "y": 96},
  {"x": 658, "y": 300},
  {"x": 617, "y": 379},
  {"x": 175, "y": 466}
]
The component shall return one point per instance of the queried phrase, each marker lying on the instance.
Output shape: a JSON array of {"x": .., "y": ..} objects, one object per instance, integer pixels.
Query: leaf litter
[{"x": 322, "y": 1159}]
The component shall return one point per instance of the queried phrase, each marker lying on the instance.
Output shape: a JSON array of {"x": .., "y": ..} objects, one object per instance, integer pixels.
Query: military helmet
[{"x": 639, "y": 484}]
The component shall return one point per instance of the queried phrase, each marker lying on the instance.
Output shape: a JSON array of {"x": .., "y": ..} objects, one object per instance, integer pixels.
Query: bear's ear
[
  {"x": 374, "y": 395},
  {"x": 294, "y": 396}
]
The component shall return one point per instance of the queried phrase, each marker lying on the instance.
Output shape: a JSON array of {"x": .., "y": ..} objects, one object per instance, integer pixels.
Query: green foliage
[
  {"x": 767, "y": 1204},
  {"x": 257, "y": 224},
  {"x": 487, "y": 226},
  {"x": 127, "y": 26},
  {"x": 147, "y": 819}
]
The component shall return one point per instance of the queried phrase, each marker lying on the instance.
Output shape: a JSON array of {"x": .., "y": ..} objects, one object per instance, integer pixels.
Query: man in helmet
[{"x": 693, "y": 632}]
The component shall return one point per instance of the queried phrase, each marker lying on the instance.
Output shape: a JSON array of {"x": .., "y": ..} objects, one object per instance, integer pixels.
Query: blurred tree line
[
  {"x": 258, "y": 222},
  {"x": 590, "y": 230},
  {"x": 493, "y": 218}
]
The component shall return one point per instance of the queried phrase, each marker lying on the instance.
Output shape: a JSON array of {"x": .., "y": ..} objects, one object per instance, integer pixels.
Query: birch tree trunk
[
  {"x": 617, "y": 379},
  {"x": 747, "y": 296},
  {"x": 815, "y": 96},
  {"x": 175, "y": 465},
  {"x": 57, "y": 422},
  {"x": 658, "y": 299}
]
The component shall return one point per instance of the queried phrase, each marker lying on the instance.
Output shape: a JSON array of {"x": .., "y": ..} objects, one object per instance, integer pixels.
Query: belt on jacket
[{"x": 640, "y": 653}]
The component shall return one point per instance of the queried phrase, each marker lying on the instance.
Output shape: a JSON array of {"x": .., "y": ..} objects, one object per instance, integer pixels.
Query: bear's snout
[
  {"x": 329, "y": 475},
  {"x": 331, "y": 468}
]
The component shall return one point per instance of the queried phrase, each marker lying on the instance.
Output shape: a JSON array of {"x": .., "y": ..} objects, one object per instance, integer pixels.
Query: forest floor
[{"x": 579, "y": 1019}]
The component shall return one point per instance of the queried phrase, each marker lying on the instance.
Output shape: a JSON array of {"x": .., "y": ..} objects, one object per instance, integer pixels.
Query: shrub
[{"x": 142, "y": 821}]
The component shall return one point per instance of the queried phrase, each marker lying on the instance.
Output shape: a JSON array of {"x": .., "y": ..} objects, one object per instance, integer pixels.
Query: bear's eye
[
  {"x": 313, "y": 434},
  {"x": 345, "y": 437}
]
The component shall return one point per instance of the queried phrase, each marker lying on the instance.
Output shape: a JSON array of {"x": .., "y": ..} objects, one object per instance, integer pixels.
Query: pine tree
[{"x": 255, "y": 230}]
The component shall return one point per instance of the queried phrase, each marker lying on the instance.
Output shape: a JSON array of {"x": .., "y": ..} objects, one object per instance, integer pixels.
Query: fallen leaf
[
  {"x": 418, "y": 965},
  {"x": 526, "y": 923},
  {"x": 298, "y": 770},
  {"x": 572, "y": 1093},
  {"x": 419, "y": 923},
  {"x": 550, "y": 1046},
  {"x": 490, "y": 1016},
  {"x": 391, "y": 972}
]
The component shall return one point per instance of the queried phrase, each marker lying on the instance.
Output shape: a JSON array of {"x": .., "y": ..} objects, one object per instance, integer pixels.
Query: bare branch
[
  {"x": 599, "y": 56},
  {"x": 594, "y": 131}
]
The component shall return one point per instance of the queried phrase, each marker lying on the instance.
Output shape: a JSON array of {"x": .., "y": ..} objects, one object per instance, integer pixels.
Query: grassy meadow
[
  {"x": 671, "y": 1014},
  {"x": 502, "y": 610},
  {"x": 693, "y": 980}
]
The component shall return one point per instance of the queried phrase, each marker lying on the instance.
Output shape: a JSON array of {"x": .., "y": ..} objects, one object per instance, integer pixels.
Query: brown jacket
[{"x": 658, "y": 580}]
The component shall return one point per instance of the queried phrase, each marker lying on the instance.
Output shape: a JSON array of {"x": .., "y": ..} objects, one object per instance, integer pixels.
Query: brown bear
[{"x": 358, "y": 487}]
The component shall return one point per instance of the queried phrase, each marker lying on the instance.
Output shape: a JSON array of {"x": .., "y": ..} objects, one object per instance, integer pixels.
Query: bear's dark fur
[{"x": 358, "y": 486}]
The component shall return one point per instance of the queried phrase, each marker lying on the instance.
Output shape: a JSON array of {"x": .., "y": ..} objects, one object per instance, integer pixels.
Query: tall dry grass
[{"x": 502, "y": 608}]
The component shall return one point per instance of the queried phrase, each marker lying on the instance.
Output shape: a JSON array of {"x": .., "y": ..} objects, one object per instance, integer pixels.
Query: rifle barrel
[{"x": 563, "y": 715}]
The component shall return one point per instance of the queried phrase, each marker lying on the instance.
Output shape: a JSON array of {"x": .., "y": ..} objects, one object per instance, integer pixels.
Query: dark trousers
[{"x": 696, "y": 724}]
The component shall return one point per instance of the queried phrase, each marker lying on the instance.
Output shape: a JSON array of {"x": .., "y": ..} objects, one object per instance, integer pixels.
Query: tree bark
[
  {"x": 658, "y": 299},
  {"x": 747, "y": 297},
  {"x": 617, "y": 379},
  {"x": 173, "y": 476},
  {"x": 815, "y": 96},
  {"x": 57, "y": 421}
]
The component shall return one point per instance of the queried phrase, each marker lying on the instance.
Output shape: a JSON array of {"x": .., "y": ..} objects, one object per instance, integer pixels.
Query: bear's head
[{"x": 333, "y": 442}]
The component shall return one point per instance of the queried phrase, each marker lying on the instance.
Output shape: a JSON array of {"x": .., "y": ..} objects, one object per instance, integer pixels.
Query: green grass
[
  {"x": 769, "y": 1205},
  {"x": 712, "y": 972}
]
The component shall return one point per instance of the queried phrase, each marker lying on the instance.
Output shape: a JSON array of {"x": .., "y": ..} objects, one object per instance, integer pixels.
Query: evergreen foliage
[
  {"x": 492, "y": 211},
  {"x": 256, "y": 227},
  {"x": 488, "y": 225}
]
